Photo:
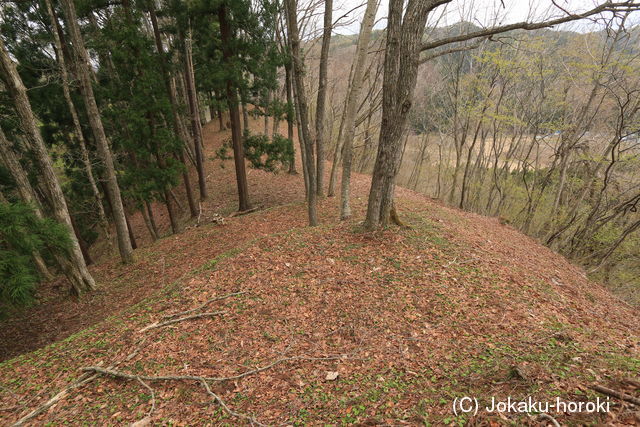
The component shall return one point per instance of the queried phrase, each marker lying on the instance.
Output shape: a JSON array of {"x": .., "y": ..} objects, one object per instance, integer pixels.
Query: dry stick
[
  {"x": 119, "y": 374},
  {"x": 203, "y": 380},
  {"x": 617, "y": 394},
  {"x": 633, "y": 382},
  {"x": 181, "y": 319},
  {"x": 203, "y": 305},
  {"x": 228, "y": 410},
  {"x": 245, "y": 212},
  {"x": 153, "y": 397},
  {"x": 84, "y": 379}
]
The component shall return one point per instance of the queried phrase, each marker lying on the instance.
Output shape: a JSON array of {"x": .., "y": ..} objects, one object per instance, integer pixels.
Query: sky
[{"x": 481, "y": 12}]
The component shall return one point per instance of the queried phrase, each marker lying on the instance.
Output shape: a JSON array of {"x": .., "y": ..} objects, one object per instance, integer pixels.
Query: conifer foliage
[{"x": 106, "y": 101}]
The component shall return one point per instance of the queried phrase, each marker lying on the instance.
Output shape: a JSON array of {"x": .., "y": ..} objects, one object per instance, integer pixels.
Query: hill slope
[{"x": 333, "y": 325}]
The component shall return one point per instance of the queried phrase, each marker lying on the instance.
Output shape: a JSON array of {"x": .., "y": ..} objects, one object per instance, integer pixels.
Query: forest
[{"x": 150, "y": 148}]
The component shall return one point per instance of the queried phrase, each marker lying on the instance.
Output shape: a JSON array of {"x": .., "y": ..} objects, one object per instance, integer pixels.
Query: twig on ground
[
  {"x": 248, "y": 211},
  {"x": 203, "y": 305},
  {"x": 228, "y": 410},
  {"x": 456, "y": 262},
  {"x": 632, "y": 382},
  {"x": 204, "y": 381},
  {"x": 153, "y": 397},
  {"x": 616, "y": 394},
  {"x": 181, "y": 319},
  {"x": 84, "y": 379},
  {"x": 119, "y": 374}
]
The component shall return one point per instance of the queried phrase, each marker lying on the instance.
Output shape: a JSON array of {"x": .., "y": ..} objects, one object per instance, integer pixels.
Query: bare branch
[
  {"x": 607, "y": 6},
  {"x": 448, "y": 51},
  {"x": 181, "y": 319}
]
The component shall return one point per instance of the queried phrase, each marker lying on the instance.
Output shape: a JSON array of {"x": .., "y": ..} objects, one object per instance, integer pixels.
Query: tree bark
[
  {"x": 177, "y": 128},
  {"x": 298, "y": 72},
  {"x": 322, "y": 94},
  {"x": 13, "y": 166},
  {"x": 355, "y": 86},
  {"x": 64, "y": 75},
  {"x": 232, "y": 101},
  {"x": 84, "y": 75},
  {"x": 75, "y": 268},
  {"x": 290, "y": 113},
  {"x": 402, "y": 53},
  {"x": 195, "y": 119}
]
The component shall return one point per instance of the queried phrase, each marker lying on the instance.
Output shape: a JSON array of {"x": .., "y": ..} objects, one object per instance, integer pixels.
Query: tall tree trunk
[
  {"x": 64, "y": 75},
  {"x": 352, "y": 103},
  {"x": 8, "y": 159},
  {"x": 267, "y": 101},
  {"x": 147, "y": 221},
  {"x": 195, "y": 118},
  {"x": 152, "y": 219},
  {"x": 76, "y": 268},
  {"x": 232, "y": 100},
  {"x": 84, "y": 75},
  {"x": 300, "y": 91},
  {"x": 290, "y": 112},
  {"x": 322, "y": 94},
  {"x": 174, "y": 107},
  {"x": 245, "y": 118},
  {"x": 402, "y": 52}
]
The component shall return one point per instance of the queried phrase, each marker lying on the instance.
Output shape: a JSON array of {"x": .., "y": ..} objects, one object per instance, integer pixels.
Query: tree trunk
[
  {"x": 64, "y": 75},
  {"x": 232, "y": 100},
  {"x": 195, "y": 119},
  {"x": 352, "y": 104},
  {"x": 84, "y": 75},
  {"x": 298, "y": 72},
  {"x": 174, "y": 107},
  {"x": 75, "y": 267},
  {"x": 245, "y": 118},
  {"x": 147, "y": 221},
  {"x": 402, "y": 53},
  {"x": 322, "y": 94},
  {"x": 152, "y": 219},
  {"x": 21, "y": 178},
  {"x": 290, "y": 113}
]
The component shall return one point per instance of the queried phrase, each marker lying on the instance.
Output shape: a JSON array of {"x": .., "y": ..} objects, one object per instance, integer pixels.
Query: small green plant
[
  {"x": 22, "y": 234},
  {"x": 269, "y": 154}
]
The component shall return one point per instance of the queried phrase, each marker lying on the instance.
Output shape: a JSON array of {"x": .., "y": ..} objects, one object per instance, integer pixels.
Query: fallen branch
[
  {"x": 203, "y": 305},
  {"x": 632, "y": 382},
  {"x": 228, "y": 410},
  {"x": 124, "y": 375},
  {"x": 181, "y": 319},
  {"x": 616, "y": 394},
  {"x": 153, "y": 397},
  {"x": 204, "y": 381},
  {"x": 84, "y": 379},
  {"x": 247, "y": 211},
  {"x": 456, "y": 262}
]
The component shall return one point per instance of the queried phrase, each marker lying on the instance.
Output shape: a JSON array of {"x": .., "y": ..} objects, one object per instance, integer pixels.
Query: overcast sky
[{"x": 482, "y": 12}]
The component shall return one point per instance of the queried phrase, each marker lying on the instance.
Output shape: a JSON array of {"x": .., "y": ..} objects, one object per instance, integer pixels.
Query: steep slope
[{"x": 350, "y": 327}]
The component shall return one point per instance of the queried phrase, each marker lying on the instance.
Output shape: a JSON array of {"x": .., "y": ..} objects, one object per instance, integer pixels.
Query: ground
[{"x": 383, "y": 328}]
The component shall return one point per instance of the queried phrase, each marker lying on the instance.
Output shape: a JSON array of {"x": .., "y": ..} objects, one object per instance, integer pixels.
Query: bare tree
[
  {"x": 322, "y": 94},
  {"x": 303, "y": 109},
  {"x": 351, "y": 103}
]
